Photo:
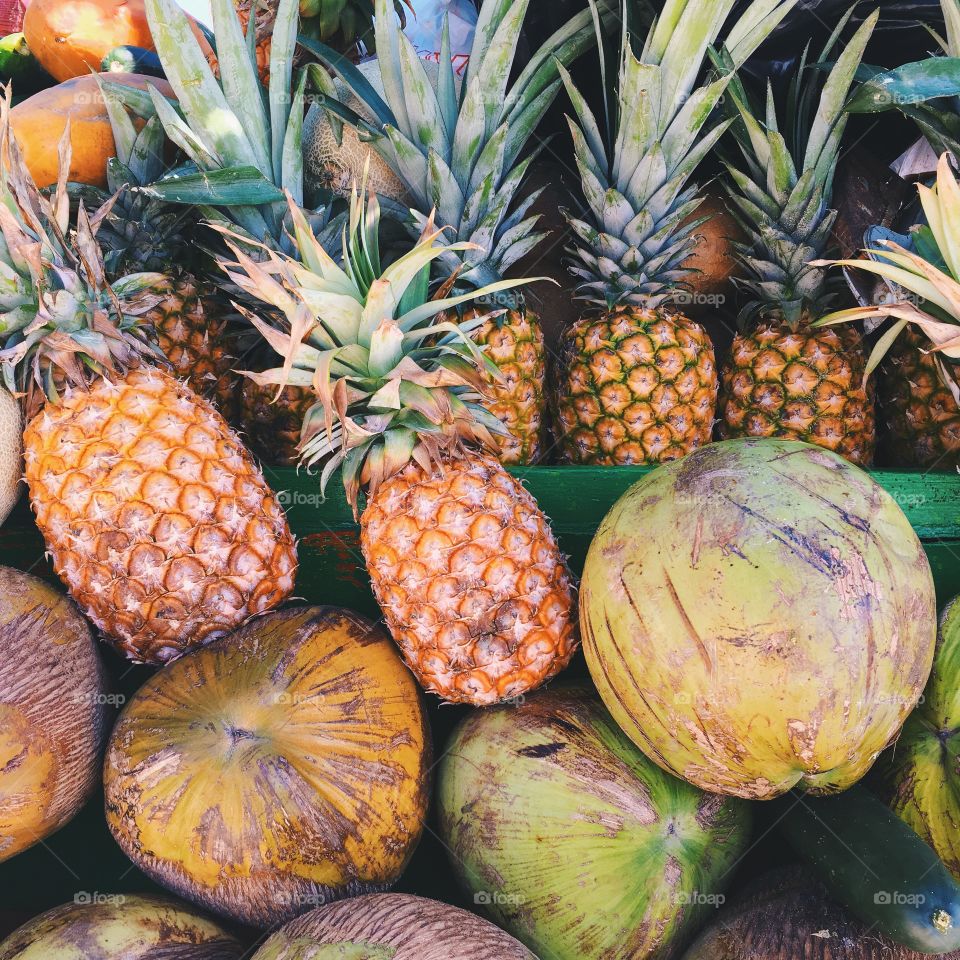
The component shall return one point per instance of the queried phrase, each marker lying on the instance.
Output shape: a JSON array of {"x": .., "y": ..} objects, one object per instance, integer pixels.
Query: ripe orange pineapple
[
  {"x": 462, "y": 562},
  {"x": 155, "y": 516},
  {"x": 785, "y": 377}
]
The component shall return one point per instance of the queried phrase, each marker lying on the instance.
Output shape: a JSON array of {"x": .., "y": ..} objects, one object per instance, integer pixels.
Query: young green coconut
[
  {"x": 462, "y": 561},
  {"x": 929, "y": 279}
]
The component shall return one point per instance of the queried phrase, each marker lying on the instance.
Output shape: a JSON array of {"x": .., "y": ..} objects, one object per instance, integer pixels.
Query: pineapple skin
[
  {"x": 921, "y": 416},
  {"x": 470, "y": 579},
  {"x": 271, "y": 426},
  {"x": 155, "y": 516},
  {"x": 637, "y": 385},
  {"x": 805, "y": 384},
  {"x": 190, "y": 330},
  {"x": 515, "y": 343}
]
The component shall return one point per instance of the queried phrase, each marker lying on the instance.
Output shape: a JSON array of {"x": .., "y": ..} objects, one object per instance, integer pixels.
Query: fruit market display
[{"x": 306, "y": 512}]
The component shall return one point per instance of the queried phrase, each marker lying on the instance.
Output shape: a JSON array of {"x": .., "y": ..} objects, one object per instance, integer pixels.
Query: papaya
[
  {"x": 39, "y": 121},
  {"x": 71, "y": 37}
]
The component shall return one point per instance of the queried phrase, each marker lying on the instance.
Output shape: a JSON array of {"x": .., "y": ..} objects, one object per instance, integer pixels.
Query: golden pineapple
[
  {"x": 784, "y": 377},
  {"x": 518, "y": 396},
  {"x": 463, "y": 563},
  {"x": 466, "y": 571},
  {"x": 804, "y": 384},
  {"x": 636, "y": 380},
  {"x": 155, "y": 516},
  {"x": 640, "y": 387},
  {"x": 921, "y": 415}
]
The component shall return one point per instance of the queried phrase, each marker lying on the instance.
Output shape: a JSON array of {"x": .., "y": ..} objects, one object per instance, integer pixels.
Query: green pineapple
[
  {"x": 786, "y": 378},
  {"x": 456, "y": 147},
  {"x": 637, "y": 380}
]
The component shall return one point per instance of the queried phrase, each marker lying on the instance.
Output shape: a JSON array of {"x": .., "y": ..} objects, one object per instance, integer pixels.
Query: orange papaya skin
[{"x": 39, "y": 122}]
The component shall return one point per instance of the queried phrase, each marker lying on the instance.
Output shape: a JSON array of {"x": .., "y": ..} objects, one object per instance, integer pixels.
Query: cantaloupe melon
[
  {"x": 332, "y": 166},
  {"x": 329, "y": 165}
]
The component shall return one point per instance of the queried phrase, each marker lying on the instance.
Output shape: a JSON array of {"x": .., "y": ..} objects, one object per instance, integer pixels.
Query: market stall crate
[{"x": 83, "y": 859}]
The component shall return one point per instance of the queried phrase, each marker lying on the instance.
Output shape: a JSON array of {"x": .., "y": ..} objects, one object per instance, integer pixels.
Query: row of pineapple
[{"x": 635, "y": 381}]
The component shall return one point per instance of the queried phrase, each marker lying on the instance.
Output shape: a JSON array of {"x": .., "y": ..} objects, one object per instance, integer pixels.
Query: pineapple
[
  {"x": 156, "y": 518},
  {"x": 456, "y": 147},
  {"x": 142, "y": 233},
  {"x": 785, "y": 377},
  {"x": 926, "y": 315},
  {"x": 636, "y": 380},
  {"x": 248, "y": 149},
  {"x": 462, "y": 561},
  {"x": 272, "y": 421},
  {"x": 921, "y": 415}
]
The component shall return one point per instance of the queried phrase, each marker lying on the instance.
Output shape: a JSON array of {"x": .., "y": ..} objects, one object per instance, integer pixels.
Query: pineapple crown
[
  {"x": 62, "y": 322},
  {"x": 456, "y": 148},
  {"x": 140, "y": 231},
  {"x": 931, "y": 274},
  {"x": 630, "y": 246},
  {"x": 393, "y": 383},
  {"x": 781, "y": 193},
  {"x": 244, "y": 141}
]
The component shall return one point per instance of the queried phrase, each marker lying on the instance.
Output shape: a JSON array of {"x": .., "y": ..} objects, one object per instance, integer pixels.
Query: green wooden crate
[
  {"x": 82, "y": 858},
  {"x": 576, "y": 499}
]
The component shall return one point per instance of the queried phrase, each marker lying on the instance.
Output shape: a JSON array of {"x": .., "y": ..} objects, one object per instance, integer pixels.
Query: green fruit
[
  {"x": 876, "y": 866},
  {"x": 759, "y": 615},
  {"x": 16, "y": 60},
  {"x": 572, "y": 840},
  {"x": 120, "y": 928},
  {"x": 923, "y": 771}
]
